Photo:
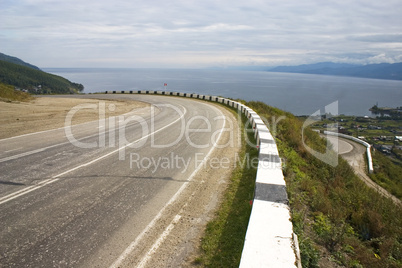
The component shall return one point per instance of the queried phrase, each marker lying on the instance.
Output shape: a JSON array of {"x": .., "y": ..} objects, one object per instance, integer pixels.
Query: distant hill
[
  {"x": 377, "y": 71},
  {"x": 34, "y": 80},
  {"x": 16, "y": 60}
]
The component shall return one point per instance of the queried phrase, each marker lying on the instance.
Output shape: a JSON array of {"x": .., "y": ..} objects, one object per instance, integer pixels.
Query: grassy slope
[
  {"x": 387, "y": 173},
  {"x": 7, "y": 93}
]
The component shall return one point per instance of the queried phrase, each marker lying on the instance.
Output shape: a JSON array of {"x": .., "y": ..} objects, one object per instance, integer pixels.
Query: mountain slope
[
  {"x": 377, "y": 71},
  {"x": 16, "y": 60},
  {"x": 35, "y": 80}
]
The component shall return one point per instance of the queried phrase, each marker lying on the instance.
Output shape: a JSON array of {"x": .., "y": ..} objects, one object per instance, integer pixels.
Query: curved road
[{"x": 62, "y": 205}]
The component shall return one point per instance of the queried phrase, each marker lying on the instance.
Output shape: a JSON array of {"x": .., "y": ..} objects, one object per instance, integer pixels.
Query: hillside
[
  {"x": 377, "y": 71},
  {"x": 34, "y": 80},
  {"x": 15, "y": 60}
]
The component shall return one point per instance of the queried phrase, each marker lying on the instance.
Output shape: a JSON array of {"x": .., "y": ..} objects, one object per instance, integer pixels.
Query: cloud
[
  {"x": 189, "y": 33},
  {"x": 379, "y": 38}
]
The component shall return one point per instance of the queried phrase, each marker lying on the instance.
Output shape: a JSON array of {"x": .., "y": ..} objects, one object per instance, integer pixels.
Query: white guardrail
[
  {"x": 270, "y": 241},
  {"x": 366, "y": 144}
]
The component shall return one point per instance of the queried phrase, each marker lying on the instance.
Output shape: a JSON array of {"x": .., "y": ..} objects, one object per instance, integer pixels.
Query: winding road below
[
  {"x": 354, "y": 153},
  {"x": 115, "y": 193}
]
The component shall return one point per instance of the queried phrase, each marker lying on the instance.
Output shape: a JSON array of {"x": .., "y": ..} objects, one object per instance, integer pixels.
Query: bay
[{"x": 300, "y": 94}]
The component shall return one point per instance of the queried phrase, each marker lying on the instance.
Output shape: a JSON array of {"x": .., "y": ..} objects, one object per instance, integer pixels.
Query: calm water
[{"x": 301, "y": 94}]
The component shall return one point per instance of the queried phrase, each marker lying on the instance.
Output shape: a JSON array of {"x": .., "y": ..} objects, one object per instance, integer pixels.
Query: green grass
[
  {"x": 223, "y": 242},
  {"x": 7, "y": 93},
  {"x": 387, "y": 173}
]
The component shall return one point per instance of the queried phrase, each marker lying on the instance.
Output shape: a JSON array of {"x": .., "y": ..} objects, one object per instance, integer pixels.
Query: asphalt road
[{"x": 62, "y": 205}]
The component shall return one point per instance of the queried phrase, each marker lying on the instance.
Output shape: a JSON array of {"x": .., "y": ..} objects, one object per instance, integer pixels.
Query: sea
[{"x": 300, "y": 94}]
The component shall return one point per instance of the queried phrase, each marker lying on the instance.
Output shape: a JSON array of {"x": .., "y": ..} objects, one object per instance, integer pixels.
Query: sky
[{"x": 200, "y": 34}]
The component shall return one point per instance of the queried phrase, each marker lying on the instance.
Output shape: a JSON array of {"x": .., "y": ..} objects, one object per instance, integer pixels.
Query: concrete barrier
[
  {"x": 251, "y": 114},
  {"x": 366, "y": 144},
  {"x": 269, "y": 241},
  {"x": 256, "y": 121}
]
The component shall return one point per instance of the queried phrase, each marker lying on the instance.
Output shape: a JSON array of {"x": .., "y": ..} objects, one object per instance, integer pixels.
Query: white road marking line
[
  {"x": 26, "y": 190},
  {"x": 29, "y": 189},
  {"x": 13, "y": 150},
  {"x": 133, "y": 245},
  {"x": 159, "y": 242},
  {"x": 13, "y": 157},
  {"x": 28, "y": 153}
]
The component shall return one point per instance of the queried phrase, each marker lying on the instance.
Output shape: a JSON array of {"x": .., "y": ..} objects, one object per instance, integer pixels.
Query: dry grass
[{"x": 8, "y": 94}]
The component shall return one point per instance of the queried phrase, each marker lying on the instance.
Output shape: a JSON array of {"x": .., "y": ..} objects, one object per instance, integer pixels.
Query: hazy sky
[{"x": 171, "y": 33}]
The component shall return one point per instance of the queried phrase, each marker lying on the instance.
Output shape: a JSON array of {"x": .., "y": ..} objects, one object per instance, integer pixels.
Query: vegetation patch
[
  {"x": 388, "y": 173},
  {"x": 8, "y": 93}
]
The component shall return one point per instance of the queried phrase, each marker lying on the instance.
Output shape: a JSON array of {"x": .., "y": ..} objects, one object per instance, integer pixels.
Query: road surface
[{"x": 111, "y": 193}]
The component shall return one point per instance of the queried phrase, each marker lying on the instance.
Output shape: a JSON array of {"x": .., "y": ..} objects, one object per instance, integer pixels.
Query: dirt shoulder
[{"x": 44, "y": 113}]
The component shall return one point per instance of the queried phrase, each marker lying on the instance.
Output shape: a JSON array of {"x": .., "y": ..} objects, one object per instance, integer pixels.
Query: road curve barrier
[
  {"x": 269, "y": 241},
  {"x": 366, "y": 144}
]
